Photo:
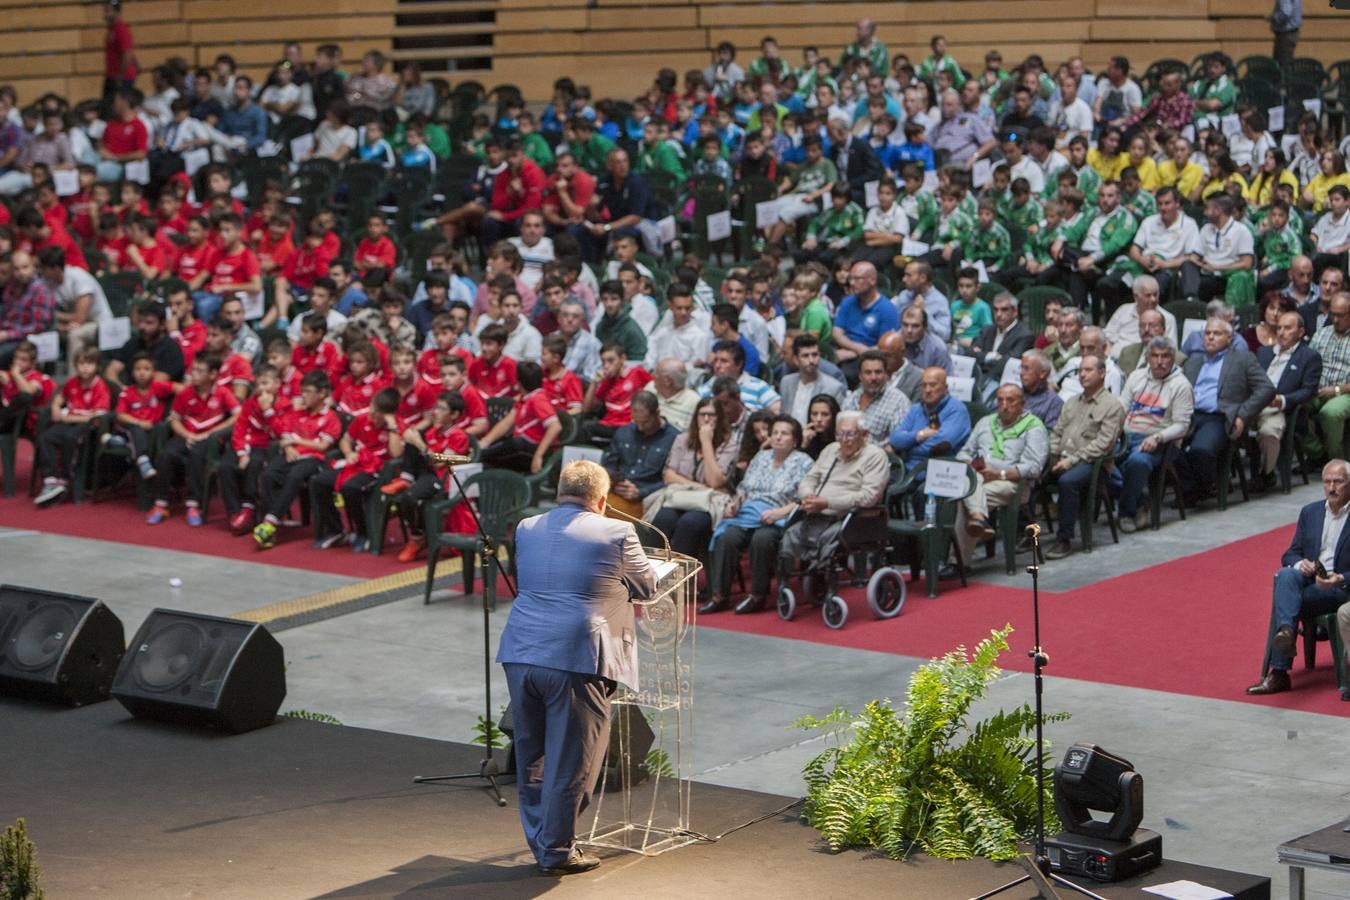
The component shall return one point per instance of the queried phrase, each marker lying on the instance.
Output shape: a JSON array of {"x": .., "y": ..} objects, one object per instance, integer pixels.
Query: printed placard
[
  {"x": 982, "y": 173},
  {"x": 1275, "y": 118},
  {"x": 963, "y": 366},
  {"x": 911, "y": 247},
  {"x": 719, "y": 226},
  {"x": 870, "y": 194},
  {"x": 766, "y": 214},
  {"x": 137, "y": 171},
  {"x": 946, "y": 478},
  {"x": 66, "y": 182},
  {"x": 962, "y": 389},
  {"x": 48, "y": 344},
  {"x": 114, "y": 333}
]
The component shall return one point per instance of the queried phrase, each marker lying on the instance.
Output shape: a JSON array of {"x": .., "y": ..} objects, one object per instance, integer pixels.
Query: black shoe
[
  {"x": 1060, "y": 550},
  {"x": 1274, "y": 683},
  {"x": 1345, "y": 694},
  {"x": 714, "y": 604},
  {"x": 947, "y": 571},
  {"x": 751, "y": 604},
  {"x": 1282, "y": 644},
  {"x": 577, "y": 862},
  {"x": 361, "y": 545},
  {"x": 328, "y": 541}
]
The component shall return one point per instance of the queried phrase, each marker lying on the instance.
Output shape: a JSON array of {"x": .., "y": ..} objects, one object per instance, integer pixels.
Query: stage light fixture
[{"x": 1090, "y": 779}]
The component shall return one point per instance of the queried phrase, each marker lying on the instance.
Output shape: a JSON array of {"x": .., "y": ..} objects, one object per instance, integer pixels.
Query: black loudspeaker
[
  {"x": 192, "y": 669},
  {"x": 57, "y": 647}
]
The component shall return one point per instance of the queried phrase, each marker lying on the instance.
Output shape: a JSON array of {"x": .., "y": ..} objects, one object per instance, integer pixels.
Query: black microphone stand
[
  {"x": 488, "y": 769},
  {"x": 1037, "y": 863}
]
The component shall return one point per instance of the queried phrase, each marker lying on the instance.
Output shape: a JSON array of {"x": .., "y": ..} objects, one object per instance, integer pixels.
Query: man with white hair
[
  {"x": 1007, "y": 449},
  {"x": 675, "y": 398},
  {"x": 1135, "y": 355},
  {"x": 1158, "y": 406},
  {"x": 1123, "y": 327},
  {"x": 566, "y": 647},
  {"x": 963, "y": 136},
  {"x": 1091, "y": 342},
  {"x": 1214, "y": 309}
]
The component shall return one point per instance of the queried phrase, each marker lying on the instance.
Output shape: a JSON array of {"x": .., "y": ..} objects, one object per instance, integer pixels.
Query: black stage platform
[{"x": 122, "y": 808}]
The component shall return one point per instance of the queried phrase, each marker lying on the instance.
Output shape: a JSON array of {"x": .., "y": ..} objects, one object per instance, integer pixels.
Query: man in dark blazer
[
  {"x": 568, "y": 643},
  {"x": 1006, "y": 339},
  {"x": 854, "y": 158},
  {"x": 1231, "y": 389},
  {"x": 1295, "y": 369},
  {"x": 1313, "y": 578}
]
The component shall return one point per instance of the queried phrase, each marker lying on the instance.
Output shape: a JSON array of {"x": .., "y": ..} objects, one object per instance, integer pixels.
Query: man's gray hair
[
  {"x": 852, "y": 415},
  {"x": 1227, "y": 325},
  {"x": 1164, "y": 344},
  {"x": 573, "y": 301},
  {"x": 584, "y": 481},
  {"x": 675, "y": 370},
  {"x": 1040, "y": 359},
  {"x": 1007, "y": 297},
  {"x": 1217, "y": 308},
  {"x": 1141, "y": 281},
  {"x": 1076, "y": 313}
]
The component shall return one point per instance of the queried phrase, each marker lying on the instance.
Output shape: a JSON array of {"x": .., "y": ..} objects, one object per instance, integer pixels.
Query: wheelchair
[{"x": 863, "y": 545}]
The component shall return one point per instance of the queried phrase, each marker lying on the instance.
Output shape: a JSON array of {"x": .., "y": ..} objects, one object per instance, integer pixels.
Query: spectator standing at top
[
  {"x": 119, "y": 56},
  {"x": 1285, "y": 21}
]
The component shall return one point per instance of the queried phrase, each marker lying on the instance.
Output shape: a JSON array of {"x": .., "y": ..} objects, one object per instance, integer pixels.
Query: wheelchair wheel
[
  {"x": 886, "y": 593},
  {"x": 834, "y": 612},
  {"x": 787, "y": 604}
]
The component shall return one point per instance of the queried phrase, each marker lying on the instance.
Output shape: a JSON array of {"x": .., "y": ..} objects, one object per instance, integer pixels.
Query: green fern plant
[
  {"x": 311, "y": 716},
  {"x": 487, "y": 734},
  {"x": 927, "y": 779},
  {"x": 19, "y": 872}
]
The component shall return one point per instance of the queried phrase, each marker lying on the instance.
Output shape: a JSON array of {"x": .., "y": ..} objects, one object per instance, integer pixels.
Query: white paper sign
[
  {"x": 1231, "y": 125},
  {"x": 66, "y": 182},
  {"x": 870, "y": 194},
  {"x": 574, "y": 452},
  {"x": 1187, "y": 890},
  {"x": 114, "y": 333},
  {"x": 1190, "y": 327},
  {"x": 465, "y": 472},
  {"x": 1012, "y": 372},
  {"x": 666, "y": 229},
  {"x": 302, "y": 146},
  {"x": 1275, "y": 118},
  {"x": 930, "y": 181},
  {"x": 982, "y": 174},
  {"x": 911, "y": 247},
  {"x": 1189, "y": 133},
  {"x": 194, "y": 159},
  {"x": 984, "y": 273},
  {"x": 962, "y": 389},
  {"x": 719, "y": 226},
  {"x": 946, "y": 478},
  {"x": 48, "y": 345},
  {"x": 1313, "y": 106},
  {"x": 253, "y": 304},
  {"x": 963, "y": 366},
  {"x": 766, "y": 214},
  {"x": 137, "y": 171}
]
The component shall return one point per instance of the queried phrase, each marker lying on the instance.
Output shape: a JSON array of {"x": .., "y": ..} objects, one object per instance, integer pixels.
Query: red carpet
[
  {"x": 1196, "y": 625},
  {"x": 117, "y": 519}
]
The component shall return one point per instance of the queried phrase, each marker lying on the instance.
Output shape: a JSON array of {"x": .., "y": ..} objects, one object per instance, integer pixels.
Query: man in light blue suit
[{"x": 568, "y": 643}]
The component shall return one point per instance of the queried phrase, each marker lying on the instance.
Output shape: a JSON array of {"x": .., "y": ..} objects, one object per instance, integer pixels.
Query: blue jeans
[
  {"x": 1296, "y": 595},
  {"x": 1136, "y": 469},
  {"x": 1073, "y": 484},
  {"x": 206, "y": 305},
  {"x": 1209, "y": 438}
]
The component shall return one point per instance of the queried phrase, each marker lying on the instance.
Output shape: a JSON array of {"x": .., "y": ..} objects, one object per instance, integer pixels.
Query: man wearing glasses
[{"x": 1332, "y": 343}]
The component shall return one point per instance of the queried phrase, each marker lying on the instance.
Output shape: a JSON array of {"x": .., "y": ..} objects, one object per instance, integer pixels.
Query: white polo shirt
[
  {"x": 1330, "y": 233},
  {"x": 1156, "y": 238},
  {"x": 1029, "y": 169},
  {"x": 1224, "y": 247}
]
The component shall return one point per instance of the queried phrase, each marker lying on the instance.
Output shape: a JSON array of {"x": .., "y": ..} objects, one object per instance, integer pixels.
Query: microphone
[
  {"x": 636, "y": 521},
  {"x": 1034, "y": 529},
  {"x": 449, "y": 459}
]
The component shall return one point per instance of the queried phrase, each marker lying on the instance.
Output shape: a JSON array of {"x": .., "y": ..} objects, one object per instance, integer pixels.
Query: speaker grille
[{"x": 38, "y": 643}]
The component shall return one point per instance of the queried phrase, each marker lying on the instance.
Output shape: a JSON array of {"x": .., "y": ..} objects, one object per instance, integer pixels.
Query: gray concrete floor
[{"x": 1225, "y": 781}]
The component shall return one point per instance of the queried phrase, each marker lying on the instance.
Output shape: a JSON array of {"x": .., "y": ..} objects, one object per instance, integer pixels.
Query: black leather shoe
[
  {"x": 577, "y": 862},
  {"x": 1345, "y": 694},
  {"x": 714, "y": 604},
  {"x": 1275, "y": 682},
  {"x": 1282, "y": 644},
  {"x": 751, "y": 604}
]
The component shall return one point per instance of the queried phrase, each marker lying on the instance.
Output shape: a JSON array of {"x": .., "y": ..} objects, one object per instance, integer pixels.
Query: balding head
[
  {"x": 934, "y": 382},
  {"x": 1151, "y": 324}
]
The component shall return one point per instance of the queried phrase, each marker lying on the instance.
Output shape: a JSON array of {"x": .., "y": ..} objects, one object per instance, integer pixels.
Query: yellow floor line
[{"x": 346, "y": 593}]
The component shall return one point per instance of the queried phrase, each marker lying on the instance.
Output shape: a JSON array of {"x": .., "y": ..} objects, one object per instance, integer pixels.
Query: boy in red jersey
[
  {"x": 82, "y": 401},
  {"x": 23, "y": 389},
  {"x": 275, "y": 249},
  {"x": 522, "y": 439},
  {"x": 144, "y": 254},
  {"x": 610, "y": 395},
  {"x": 364, "y": 379},
  {"x": 492, "y": 373},
  {"x": 201, "y": 411},
  {"x": 416, "y": 398},
  {"x": 236, "y": 373},
  {"x": 38, "y": 234},
  {"x": 140, "y": 407},
  {"x": 185, "y": 328},
  {"x": 313, "y": 351},
  {"x": 561, "y": 384},
  {"x": 288, "y": 376},
  {"x": 455, "y": 379},
  {"x": 371, "y": 440},
  {"x": 446, "y": 336},
  {"x": 112, "y": 242},
  {"x": 422, "y": 479},
  {"x": 195, "y": 258},
  {"x": 253, "y": 433},
  {"x": 308, "y": 264},
  {"x": 375, "y": 250},
  {"x": 233, "y": 270},
  {"x": 306, "y": 436}
]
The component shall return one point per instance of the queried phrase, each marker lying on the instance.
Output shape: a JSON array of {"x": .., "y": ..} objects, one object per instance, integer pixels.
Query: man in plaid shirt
[
  {"x": 882, "y": 406},
  {"x": 27, "y": 306}
]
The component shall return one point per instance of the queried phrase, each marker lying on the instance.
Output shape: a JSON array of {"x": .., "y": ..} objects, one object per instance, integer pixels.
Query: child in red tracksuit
[
  {"x": 200, "y": 413},
  {"x": 23, "y": 390},
  {"x": 372, "y": 439},
  {"x": 140, "y": 407},
  {"x": 82, "y": 401},
  {"x": 306, "y": 435},
  {"x": 364, "y": 379},
  {"x": 240, "y": 471},
  {"x": 314, "y": 351},
  {"x": 422, "y": 479},
  {"x": 288, "y": 376}
]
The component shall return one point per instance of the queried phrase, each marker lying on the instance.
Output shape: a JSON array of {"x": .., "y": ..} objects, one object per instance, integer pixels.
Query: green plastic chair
[
  {"x": 9, "y": 451},
  {"x": 104, "y": 451},
  {"x": 1306, "y": 627},
  {"x": 1099, "y": 496},
  {"x": 502, "y": 496},
  {"x": 933, "y": 541},
  {"x": 1031, "y": 304}
]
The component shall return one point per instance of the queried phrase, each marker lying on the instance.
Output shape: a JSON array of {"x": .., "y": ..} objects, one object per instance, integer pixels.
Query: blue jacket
[
  {"x": 1307, "y": 542},
  {"x": 577, "y": 573},
  {"x": 639, "y": 458},
  {"x": 953, "y": 429},
  {"x": 1299, "y": 380}
]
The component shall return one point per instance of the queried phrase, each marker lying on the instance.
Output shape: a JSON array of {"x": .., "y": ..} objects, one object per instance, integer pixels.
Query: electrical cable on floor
[{"x": 706, "y": 839}]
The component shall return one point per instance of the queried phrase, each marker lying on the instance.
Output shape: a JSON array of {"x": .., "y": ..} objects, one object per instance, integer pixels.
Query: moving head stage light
[{"x": 1090, "y": 778}]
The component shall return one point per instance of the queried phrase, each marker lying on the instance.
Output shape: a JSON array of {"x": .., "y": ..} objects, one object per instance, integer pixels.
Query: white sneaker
[{"x": 52, "y": 489}]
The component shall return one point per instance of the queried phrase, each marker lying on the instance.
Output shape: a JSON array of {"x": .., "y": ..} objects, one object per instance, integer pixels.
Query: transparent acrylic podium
[{"x": 642, "y": 804}]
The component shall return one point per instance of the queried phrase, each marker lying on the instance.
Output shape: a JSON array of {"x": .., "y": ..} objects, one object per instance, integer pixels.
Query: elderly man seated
[
  {"x": 1068, "y": 327},
  {"x": 918, "y": 280},
  {"x": 1091, "y": 342},
  {"x": 1296, "y": 371},
  {"x": 1123, "y": 329},
  {"x": 850, "y": 474},
  {"x": 1332, "y": 406},
  {"x": 882, "y": 405},
  {"x": 1231, "y": 389},
  {"x": 1158, "y": 406},
  {"x": 1312, "y": 577},
  {"x": 1006, "y": 339},
  {"x": 1214, "y": 309},
  {"x": 1007, "y": 449},
  {"x": 904, "y": 375},
  {"x": 1087, "y": 430},
  {"x": 1135, "y": 356},
  {"x": 1038, "y": 394},
  {"x": 937, "y": 426},
  {"x": 677, "y": 401}
]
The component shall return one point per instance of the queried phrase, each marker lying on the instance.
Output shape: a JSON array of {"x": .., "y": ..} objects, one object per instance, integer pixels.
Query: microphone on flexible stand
[
  {"x": 1033, "y": 530},
  {"x": 449, "y": 459},
  {"x": 636, "y": 521}
]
